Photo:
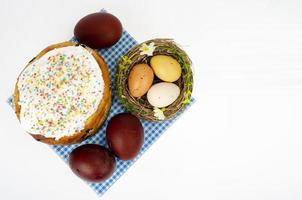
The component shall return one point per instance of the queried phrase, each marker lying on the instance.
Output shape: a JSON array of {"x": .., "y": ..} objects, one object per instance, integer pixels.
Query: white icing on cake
[{"x": 59, "y": 92}]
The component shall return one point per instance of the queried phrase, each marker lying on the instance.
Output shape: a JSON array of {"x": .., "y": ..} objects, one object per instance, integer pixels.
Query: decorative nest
[{"x": 142, "y": 53}]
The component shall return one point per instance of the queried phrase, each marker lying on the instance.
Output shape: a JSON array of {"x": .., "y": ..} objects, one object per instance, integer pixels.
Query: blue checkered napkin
[{"x": 152, "y": 129}]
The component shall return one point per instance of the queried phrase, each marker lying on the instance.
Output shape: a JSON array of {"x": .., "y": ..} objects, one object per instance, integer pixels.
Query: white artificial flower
[
  {"x": 147, "y": 49},
  {"x": 159, "y": 114}
]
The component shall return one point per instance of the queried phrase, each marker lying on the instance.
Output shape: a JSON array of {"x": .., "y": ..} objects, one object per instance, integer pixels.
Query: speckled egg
[
  {"x": 166, "y": 68},
  {"x": 140, "y": 79},
  {"x": 163, "y": 94}
]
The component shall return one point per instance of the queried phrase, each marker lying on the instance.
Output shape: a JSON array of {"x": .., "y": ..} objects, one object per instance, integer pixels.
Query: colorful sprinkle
[{"x": 59, "y": 92}]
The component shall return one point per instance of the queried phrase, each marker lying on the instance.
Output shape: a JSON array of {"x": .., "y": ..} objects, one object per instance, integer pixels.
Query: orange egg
[{"x": 140, "y": 79}]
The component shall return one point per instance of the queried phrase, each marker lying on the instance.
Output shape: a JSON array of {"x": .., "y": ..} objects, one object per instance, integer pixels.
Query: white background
[{"x": 241, "y": 140}]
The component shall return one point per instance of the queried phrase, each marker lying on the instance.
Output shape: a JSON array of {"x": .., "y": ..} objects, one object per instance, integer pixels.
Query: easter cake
[{"x": 63, "y": 95}]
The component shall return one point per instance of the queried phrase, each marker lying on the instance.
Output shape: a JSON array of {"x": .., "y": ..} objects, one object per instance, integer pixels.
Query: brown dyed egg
[
  {"x": 92, "y": 162},
  {"x": 125, "y": 135},
  {"x": 140, "y": 79},
  {"x": 98, "y": 30}
]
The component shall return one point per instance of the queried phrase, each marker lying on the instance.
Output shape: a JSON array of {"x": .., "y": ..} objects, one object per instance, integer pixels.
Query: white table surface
[{"x": 242, "y": 139}]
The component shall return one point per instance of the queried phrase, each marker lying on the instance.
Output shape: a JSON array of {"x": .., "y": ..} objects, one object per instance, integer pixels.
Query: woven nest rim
[{"x": 140, "y": 106}]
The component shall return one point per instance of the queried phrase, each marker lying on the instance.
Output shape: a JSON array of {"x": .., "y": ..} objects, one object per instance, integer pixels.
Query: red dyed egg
[
  {"x": 98, "y": 30},
  {"x": 92, "y": 162},
  {"x": 125, "y": 135}
]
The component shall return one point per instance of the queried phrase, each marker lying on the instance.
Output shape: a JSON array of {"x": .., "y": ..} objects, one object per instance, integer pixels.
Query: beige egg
[
  {"x": 163, "y": 94},
  {"x": 140, "y": 79},
  {"x": 166, "y": 68}
]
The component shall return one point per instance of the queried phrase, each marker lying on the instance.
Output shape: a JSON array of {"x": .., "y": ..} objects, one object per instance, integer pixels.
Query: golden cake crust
[{"x": 94, "y": 121}]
